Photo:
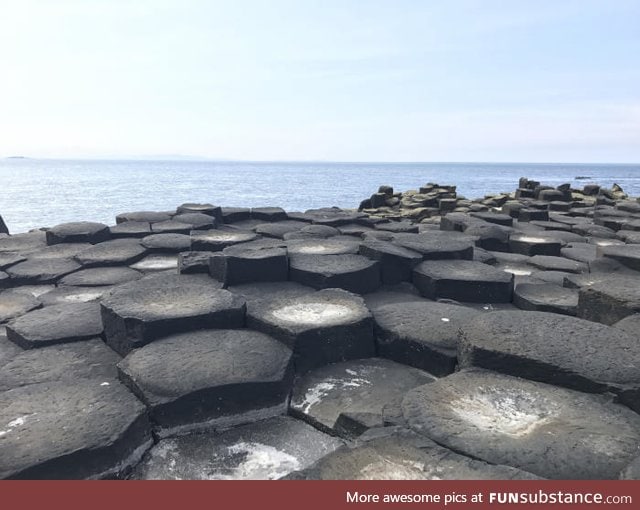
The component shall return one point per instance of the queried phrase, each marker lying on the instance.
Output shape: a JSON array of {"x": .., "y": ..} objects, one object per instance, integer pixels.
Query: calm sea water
[{"x": 36, "y": 193}]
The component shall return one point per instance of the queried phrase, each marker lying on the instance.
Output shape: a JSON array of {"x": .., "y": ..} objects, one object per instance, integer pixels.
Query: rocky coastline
[{"x": 422, "y": 335}]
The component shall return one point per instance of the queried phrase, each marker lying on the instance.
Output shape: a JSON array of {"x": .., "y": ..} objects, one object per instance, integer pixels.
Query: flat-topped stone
[
  {"x": 555, "y": 349},
  {"x": 354, "y": 273},
  {"x": 550, "y": 263},
  {"x": 322, "y": 246},
  {"x": 193, "y": 262},
  {"x": 78, "y": 232},
  {"x": 141, "y": 312},
  {"x": 393, "y": 453},
  {"x": 630, "y": 325},
  {"x": 100, "y": 276},
  {"x": 197, "y": 221},
  {"x": 534, "y": 244},
  {"x": 68, "y": 362},
  {"x": 278, "y": 229},
  {"x": 160, "y": 262},
  {"x": 267, "y": 450},
  {"x": 143, "y": 217},
  {"x": 233, "y": 214},
  {"x": 628, "y": 254},
  {"x": 59, "y": 251},
  {"x": 549, "y": 431},
  {"x": 170, "y": 227},
  {"x": 73, "y": 294},
  {"x": 57, "y": 430},
  {"x": 219, "y": 239},
  {"x": 166, "y": 243},
  {"x": 422, "y": 334},
  {"x": 437, "y": 245},
  {"x": 244, "y": 264},
  {"x": 130, "y": 229},
  {"x": 321, "y": 327},
  {"x": 312, "y": 231},
  {"x": 396, "y": 262},
  {"x": 23, "y": 243},
  {"x": 208, "y": 209},
  {"x": 10, "y": 259},
  {"x": 268, "y": 213},
  {"x": 56, "y": 324},
  {"x": 270, "y": 291},
  {"x": 226, "y": 377},
  {"x": 546, "y": 297},
  {"x": 13, "y": 304},
  {"x": 348, "y": 398},
  {"x": 112, "y": 253},
  {"x": 35, "y": 272},
  {"x": 463, "y": 280},
  {"x": 609, "y": 298}
]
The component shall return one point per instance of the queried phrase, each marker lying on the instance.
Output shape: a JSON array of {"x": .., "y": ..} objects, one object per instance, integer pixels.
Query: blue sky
[{"x": 366, "y": 80}]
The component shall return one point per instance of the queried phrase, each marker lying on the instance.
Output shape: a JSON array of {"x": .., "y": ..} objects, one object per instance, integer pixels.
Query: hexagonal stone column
[
  {"x": 219, "y": 239},
  {"x": 56, "y": 324},
  {"x": 226, "y": 377},
  {"x": 351, "y": 397},
  {"x": 609, "y": 298},
  {"x": 88, "y": 429},
  {"x": 421, "y": 334},
  {"x": 13, "y": 304},
  {"x": 266, "y": 450},
  {"x": 354, "y": 273},
  {"x": 546, "y": 297},
  {"x": 100, "y": 276},
  {"x": 323, "y": 327},
  {"x": 549, "y": 431},
  {"x": 112, "y": 253},
  {"x": 322, "y": 246},
  {"x": 628, "y": 255},
  {"x": 36, "y": 272},
  {"x": 241, "y": 264},
  {"x": 437, "y": 245},
  {"x": 141, "y": 312},
  {"x": 463, "y": 280},
  {"x": 397, "y": 454},
  {"x": 396, "y": 262},
  {"x": 78, "y": 232},
  {"x": 532, "y": 244}
]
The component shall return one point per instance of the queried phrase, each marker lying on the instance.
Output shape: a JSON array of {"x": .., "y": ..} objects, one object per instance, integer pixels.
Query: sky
[{"x": 304, "y": 80}]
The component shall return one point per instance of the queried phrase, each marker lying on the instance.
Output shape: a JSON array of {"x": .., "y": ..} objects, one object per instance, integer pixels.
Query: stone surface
[
  {"x": 463, "y": 280},
  {"x": 78, "y": 232},
  {"x": 551, "y": 432},
  {"x": 348, "y": 398},
  {"x": 437, "y": 245},
  {"x": 630, "y": 325},
  {"x": 240, "y": 264},
  {"x": 610, "y": 298},
  {"x": 73, "y": 294},
  {"x": 550, "y": 263},
  {"x": 143, "y": 216},
  {"x": 546, "y": 297},
  {"x": 71, "y": 431},
  {"x": 226, "y": 377},
  {"x": 532, "y": 244},
  {"x": 321, "y": 327},
  {"x": 265, "y": 450},
  {"x": 23, "y": 243},
  {"x": 322, "y": 246},
  {"x": 133, "y": 229},
  {"x": 193, "y": 262},
  {"x": 13, "y": 304},
  {"x": 56, "y": 324},
  {"x": 421, "y": 334},
  {"x": 10, "y": 259},
  {"x": 154, "y": 263},
  {"x": 354, "y": 273},
  {"x": 100, "y": 276},
  {"x": 396, "y": 262},
  {"x": 140, "y": 312},
  {"x": 166, "y": 243},
  {"x": 628, "y": 255},
  {"x": 36, "y": 272},
  {"x": 197, "y": 221},
  {"x": 112, "y": 253},
  {"x": 217, "y": 240}
]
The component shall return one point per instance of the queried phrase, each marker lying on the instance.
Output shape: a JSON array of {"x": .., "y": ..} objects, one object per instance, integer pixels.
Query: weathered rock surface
[
  {"x": 354, "y": 273},
  {"x": 78, "y": 232}
]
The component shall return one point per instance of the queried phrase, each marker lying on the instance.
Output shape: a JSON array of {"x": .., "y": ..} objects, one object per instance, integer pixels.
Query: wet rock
[
  {"x": 227, "y": 377},
  {"x": 363, "y": 390},
  {"x": 463, "y": 280},
  {"x": 547, "y": 297},
  {"x": 266, "y": 450},
  {"x": 396, "y": 262},
  {"x": 321, "y": 327},
  {"x": 218, "y": 240},
  {"x": 141, "y": 312},
  {"x": 143, "y": 217},
  {"x": 551, "y": 432},
  {"x": 71, "y": 431},
  {"x": 354, "y": 273},
  {"x": 152, "y": 263},
  {"x": 35, "y": 272},
  {"x": 112, "y": 253},
  {"x": 268, "y": 214},
  {"x": 100, "y": 276},
  {"x": 56, "y": 325},
  {"x": 78, "y": 232},
  {"x": 609, "y": 299},
  {"x": 422, "y": 334},
  {"x": 243, "y": 264},
  {"x": 130, "y": 229},
  {"x": 166, "y": 243},
  {"x": 68, "y": 362},
  {"x": 397, "y": 454},
  {"x": 13, "y": 304}
]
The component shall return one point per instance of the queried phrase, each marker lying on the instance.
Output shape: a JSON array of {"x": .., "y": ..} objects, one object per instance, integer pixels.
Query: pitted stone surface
[
  {"x": 130, "y": 229},
  {"x": 609, "y": 298},
  {"x": 630, "y": 325},
  {"x": 35, "y": 272},
  {"x": 224, "y": 374},
  {"x": 56, "y": 324},
  {"x": 554, "y": 349},
  {"x": 354, "y": 273},
  {"x": 628, "y": 254},
  {"x": 13, "y": 304},
  {"x": 153, "y": 263},
  {"x": 143, "y": 216},
  {"x": 266, "y": 450},
  {"x": 322, "y": 247},
  {"x": 100, "y": 276},
  {"x": 23, "y": 243},
  {"x": 546, "y": 297},
  {"x": 548, "y": 263},
  {"x": 321, "y": 327},
  {"x": 112, "y": 253},
  {"x": 243, "y": 264},
  {"x": 421, "y": 334},
  {"x": 71, "y": 431},
  {"x": 219, "y": 239},
  {"x": 59, "y": 251},
  {"x": 549, "y": 431},
  {"x": 463, "y": 280},
  {"x": 166, "y": 243},
  {"x": 437, "y": 245},
  {"x": 346, "y": 398},
  {"x": 73, "y": 294},
  {"x": 140, "y": 312},
  {"x": 397, "y": 454},
  {"x": 78, "y": 232},
  {"x": 68, "y": 362}
]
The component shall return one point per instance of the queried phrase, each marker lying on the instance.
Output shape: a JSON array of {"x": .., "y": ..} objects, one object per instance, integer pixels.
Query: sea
[{"x": 38, "y": 193}]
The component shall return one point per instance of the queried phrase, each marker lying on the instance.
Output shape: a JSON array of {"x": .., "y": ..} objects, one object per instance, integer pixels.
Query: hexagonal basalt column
[
  {"x": 78, "y": 232},
  {"x": 91, "y": 428},
  {"x": 241, "y": 264},
  {"x": 323, "y": 327},
  {"x": 396, "y": 262},
  {"x": 140, "y": 312},
  {"x": 226, "y": 377},
  {"x": 35, "y": 272},
  {"x": 549, "y": 431},
  {"x": 463, "y": 280},
  {"x": 219, "y": 239},
  {"x": 354, "y": 273},
  {"x": 112, "y": 253}
]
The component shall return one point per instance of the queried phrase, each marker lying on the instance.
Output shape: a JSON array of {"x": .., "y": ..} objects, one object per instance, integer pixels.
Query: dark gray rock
[
  {"x": 57, "y": 324},
  {"x": 437, "y": 245},
  {"x": 546, "y": 297},
  {"x": 208, "y": 209},
  {"x": 266, "y": 450},
  {"x": 321, "y": 327},
  {"x": 312, "y": 231},
  {"x": 233, "y": 214},
  {"x": 268, "y": 214},
  {"x": 166, "y": 243},
  {"x": 628, "y": 255},
  {"x": 534, "y": 244},
  {"x": 270, "y": 291},
  {"x": 551, "y": 432},
  {"x": 218, "y": 240},
  {"x": 87, "y": 429},
  {"x": 59, "y": 251},
  {"x": 35, "y": 272},
  {"x": 398, "y": 227},
  {"x": 13, "y": 304},
  {"x": 73, "y": 294},
  {"x": 10, "y": 259},
  {"x": 529, "y": 214},
  {"x": 23, "y": 243},
  {"x": 280, "y": 228},
  {"x": 421, "y": 334},
  {"x": 193, "y": 262},
  {"x": 130, "y": 229},
  {"x": 354, "y": 273},
  {"x": 112, "y": 253},
  {"x": 3, "y": 227},
  {"x": 141, "y": 312},
  {"x": 630, "y": 325},
  {"x": 244, "y": 264},
  {"x": 170, "y": 227},
  {"x": 197, "y": 221},
  {"x": 78, "y": 232},
  {"x": 396, "y": 262},
  {"x": 463, "y": 280},
  {"x": 159, "y": 262},
  {"x": 100, "y": 276},
  {"x": 632, "y": 471},
  {"x": 550, "y": 263},
  {"x": 348, "y": 398},
  {"x": 610, "y": 298},
  {"x": 226, "y": 377},
  {"x": 322, "y": 246},
  {"x": 143, "y": 217},
  {"x": 491, "y": 217}
]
